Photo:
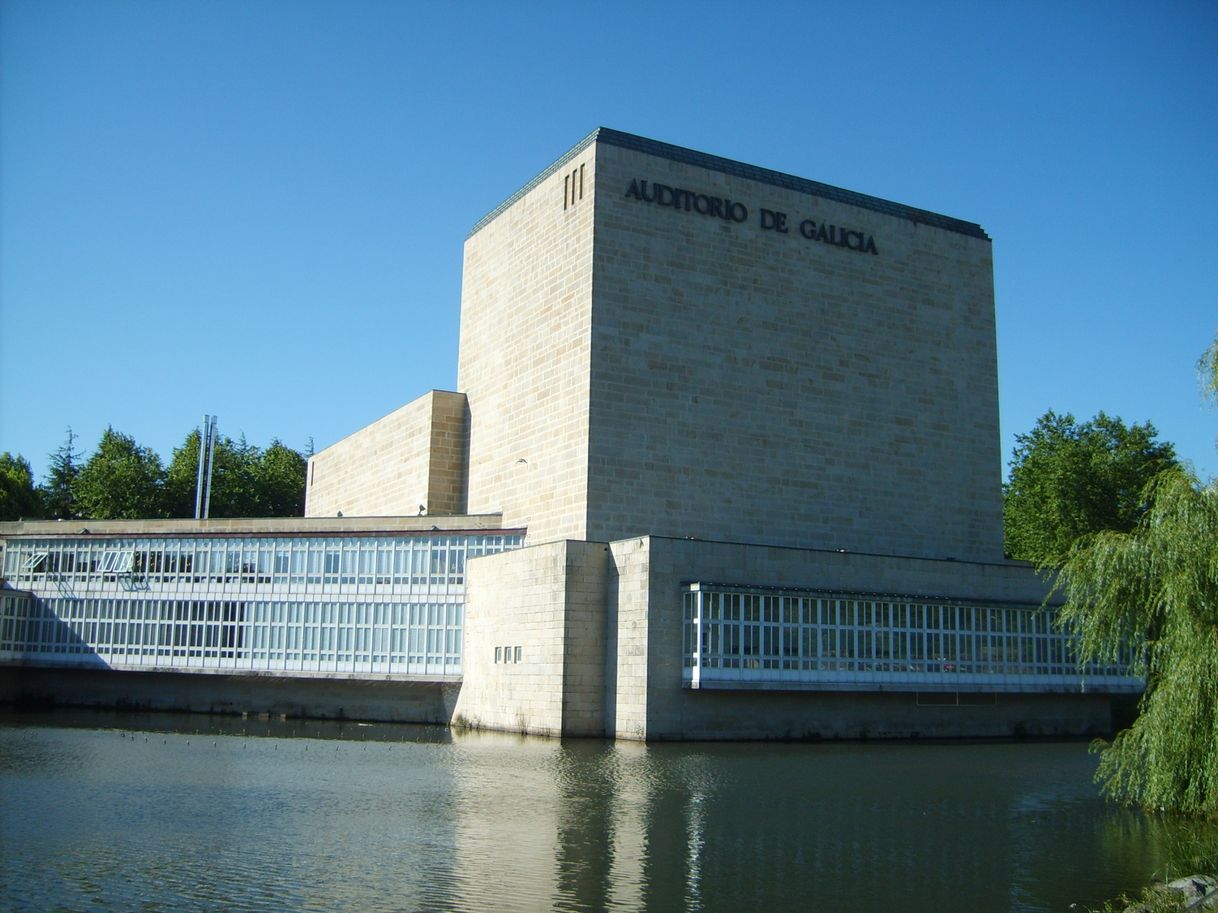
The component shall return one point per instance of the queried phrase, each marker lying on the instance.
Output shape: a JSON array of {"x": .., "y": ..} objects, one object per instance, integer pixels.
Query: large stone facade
[
  {"x": 526, "y": 349},
  {"x": 599, "y": 631},
  {"x": 412, "y": 461},
  {"x": 634, "y": 367},
  {"x": 657, "y": 341}
]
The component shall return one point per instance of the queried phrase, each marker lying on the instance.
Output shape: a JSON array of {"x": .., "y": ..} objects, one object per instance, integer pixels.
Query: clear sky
[{"x": 256, "y": 209}]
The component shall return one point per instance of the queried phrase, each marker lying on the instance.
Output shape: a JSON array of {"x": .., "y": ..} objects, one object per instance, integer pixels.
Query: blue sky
[{"x": 256, "y": 209}]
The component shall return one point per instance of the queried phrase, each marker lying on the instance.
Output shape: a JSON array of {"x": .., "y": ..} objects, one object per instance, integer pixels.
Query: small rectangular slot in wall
[{"x": 572, "y": 187}]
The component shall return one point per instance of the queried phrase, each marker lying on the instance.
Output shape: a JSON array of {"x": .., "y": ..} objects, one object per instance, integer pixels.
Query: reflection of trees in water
[
  {"x": 1166, "y": 846},
  {"x": 710, "y": 827},
  {"x": 493, "y": 821}
]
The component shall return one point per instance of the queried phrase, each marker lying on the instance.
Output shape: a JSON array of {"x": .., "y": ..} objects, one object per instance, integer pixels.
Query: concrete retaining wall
[
  {"x": 318, "y": 698},
  {"x": 534, "y": 657}
]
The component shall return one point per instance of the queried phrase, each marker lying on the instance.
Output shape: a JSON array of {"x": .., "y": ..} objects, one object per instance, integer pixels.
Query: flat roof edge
[
  {"x": 246, "y": 526},
  {"x": 537, "y": 179},
  {"x": 739, "y": 169}
]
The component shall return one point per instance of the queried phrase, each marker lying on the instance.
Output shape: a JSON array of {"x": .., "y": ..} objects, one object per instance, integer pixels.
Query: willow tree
[
  {"x": 1207, "y": 369},
  {"x": 1155, "y": 589}
]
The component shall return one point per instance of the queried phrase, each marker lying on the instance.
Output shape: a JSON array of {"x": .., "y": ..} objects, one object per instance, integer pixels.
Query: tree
[
  {"x": 18, "y": 497},
  {"x": 181, "y": 476},
  {"x": 233, "y": 489},
  {"x": 1070, "y": 479},
  {"x": 1207, "y": 367},
  {"x": 121, "y": 480},
  {"x": 281, "y": 481},
  {"x": 246, "y": 481},
  {"x": 57, "y": 488},
  {"x": 1207, "y": 370},
  {"x": 235, "y": 486},
  {"x": 1155, "y": 589}
]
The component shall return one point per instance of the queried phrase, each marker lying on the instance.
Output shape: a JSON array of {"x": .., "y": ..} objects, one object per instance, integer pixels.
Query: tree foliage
[
  {"x": 57, "y": 487},
  {"x": 232, "y": 485},
  {"x": 1069, "y": 479},
  {"x": 281, "y": 480},
  {"x": 123, "y": 480},
  {"x": 19, "y": 498},
  {"x": 246, "y": 481},
  {"x": 181, "y": 476},
  {"x": 1207, "y": 373},
  {"x": 1156, "y": 588},
  {"x": 120, "y": 481},
  {"x": 1207, "y": 369}
]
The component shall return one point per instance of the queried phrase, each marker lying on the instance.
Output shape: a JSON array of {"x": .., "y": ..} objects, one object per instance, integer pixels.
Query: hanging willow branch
[{"x": 1156, "y": 589}]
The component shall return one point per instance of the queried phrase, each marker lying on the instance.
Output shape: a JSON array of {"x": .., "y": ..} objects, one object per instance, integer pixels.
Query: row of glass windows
[
  {"x": 865, "y": 613},
  {"x": 268, "y": 561},
  {"x": 801, "y": 636},
  {"x": 302, "y": 636}
]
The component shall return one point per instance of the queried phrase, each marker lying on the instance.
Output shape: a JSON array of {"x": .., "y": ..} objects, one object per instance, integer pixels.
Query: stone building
[
  {"x": 750, "y": 423},
  {"x": 735, "y": 436}
]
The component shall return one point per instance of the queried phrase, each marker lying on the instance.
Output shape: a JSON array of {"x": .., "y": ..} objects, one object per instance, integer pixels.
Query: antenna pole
[
  {"x": 202, "y": 464},
  {"x": 211, "y": 465}
]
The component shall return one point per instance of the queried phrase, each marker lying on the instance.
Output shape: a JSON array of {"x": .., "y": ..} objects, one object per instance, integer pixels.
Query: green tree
[
  {"x": 1070, "y": 479},
  {"x": 18, "y": 497},
  {"x": 246, "y": 481},
  {"x": 235, "y": 486},
  {"x": 181, "y": 477},
  {"x": 57, "y": 488},
  {"x": 281, "y": 481},
  {"x": 1155, "y": 589},
  {"x": 233, "y": 489},
  {"x": 121, "y": 480},
  {"x": 1207, "y": 369}
]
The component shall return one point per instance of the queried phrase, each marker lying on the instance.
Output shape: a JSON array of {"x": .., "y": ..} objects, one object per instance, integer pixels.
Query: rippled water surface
[{"x": 137, "y": 812}]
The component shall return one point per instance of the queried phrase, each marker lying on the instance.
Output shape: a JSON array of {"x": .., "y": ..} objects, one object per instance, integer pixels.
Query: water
[{"x": 184, "y": 813}]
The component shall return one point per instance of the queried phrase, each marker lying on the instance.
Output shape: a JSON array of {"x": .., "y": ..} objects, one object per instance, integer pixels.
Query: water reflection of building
[{"x": 749, "y": 423}]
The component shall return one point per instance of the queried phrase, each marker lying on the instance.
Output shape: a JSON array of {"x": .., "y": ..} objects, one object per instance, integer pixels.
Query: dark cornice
[{"x": 740, "y": 169}]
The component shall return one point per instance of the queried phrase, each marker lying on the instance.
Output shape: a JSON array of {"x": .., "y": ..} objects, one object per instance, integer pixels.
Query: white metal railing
[{"x": 748, "y": 636}]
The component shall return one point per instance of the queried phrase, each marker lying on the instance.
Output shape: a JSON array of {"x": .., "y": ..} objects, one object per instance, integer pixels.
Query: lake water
[{"x": 184, "y": 813}]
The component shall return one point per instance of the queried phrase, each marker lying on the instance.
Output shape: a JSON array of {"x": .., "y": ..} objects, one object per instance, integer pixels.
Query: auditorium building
[{"x": 723, "y": 462}]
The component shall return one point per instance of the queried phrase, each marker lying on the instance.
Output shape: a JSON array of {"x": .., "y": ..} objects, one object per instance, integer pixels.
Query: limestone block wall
[
  {"x": 645, "y": 612},
  {"x": 698, "y": 356},
  {"x": 534, "y": 640},
  {"x": 525, "y": 340},
  {"x": 414, "y": 456},
  {"x": 754, "y": 384},
  {"x": 584, "y": 639},
  {"x": 628, "y": 656}
]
